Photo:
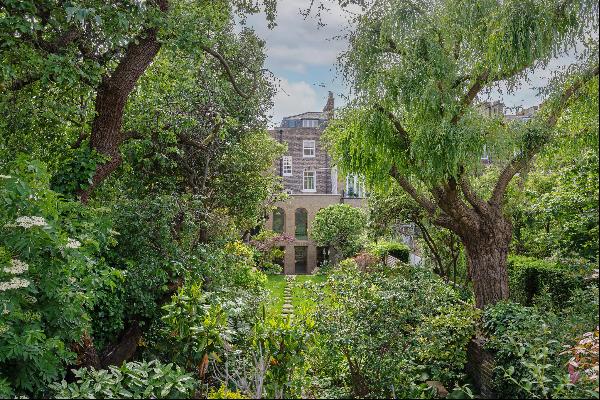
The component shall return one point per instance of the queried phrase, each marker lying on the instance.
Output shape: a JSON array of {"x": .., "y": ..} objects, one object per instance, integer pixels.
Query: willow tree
[{"x": 417, "y": 69}]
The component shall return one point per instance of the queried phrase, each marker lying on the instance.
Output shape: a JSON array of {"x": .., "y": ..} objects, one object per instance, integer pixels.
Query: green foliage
[
  {"x": 50, "y": 271},
  {"x": 383, "y": 248},
  {"x": 390, "y": 328},
  {"x": 284, "y": 344},
  {"x": 197, "y": 329},
  {"x": 528, "y": 343},
  {"x": 77, "y": 170},
  {"x": 529, "y": 277},
  {"x": 132, "y": 380},
  {"x": 556, "y": 208},
  {"x": 340, "y": 226},
  {"x": 411, "y": 65}
]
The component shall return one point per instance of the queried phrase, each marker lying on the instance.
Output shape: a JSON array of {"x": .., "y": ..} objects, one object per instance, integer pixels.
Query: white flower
[
  {"x": 17, "y": 267},
  {"x": 14, "y": 283},
  {"x": 73, "y": 244},
  {"x": 5, "y": 176},
  {"x": 28, "y": 222}
]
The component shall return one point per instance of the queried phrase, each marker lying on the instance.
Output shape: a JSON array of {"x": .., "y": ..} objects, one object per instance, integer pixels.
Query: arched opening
[
  {"x": 301, "y": 224},
  {"x": 278, "y": 220}
]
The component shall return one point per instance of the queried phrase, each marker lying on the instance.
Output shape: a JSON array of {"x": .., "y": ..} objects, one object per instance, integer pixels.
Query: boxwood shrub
[
  {"x": 530, "y": 276},
  {"x": 395, "y": 249}
]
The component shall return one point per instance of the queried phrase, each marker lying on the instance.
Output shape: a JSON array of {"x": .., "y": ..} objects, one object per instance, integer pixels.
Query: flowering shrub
[
  {"x": 269, "y": 256},
  {"x": 583, "y": 364},
  {"x": 47, "y": 280}
]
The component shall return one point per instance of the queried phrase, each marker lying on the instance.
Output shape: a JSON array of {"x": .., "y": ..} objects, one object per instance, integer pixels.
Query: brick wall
[{"x": 321, "y": 163}]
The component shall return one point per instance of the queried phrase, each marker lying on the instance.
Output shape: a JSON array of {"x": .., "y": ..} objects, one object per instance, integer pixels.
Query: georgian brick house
[{"x": 312, "y": 183}]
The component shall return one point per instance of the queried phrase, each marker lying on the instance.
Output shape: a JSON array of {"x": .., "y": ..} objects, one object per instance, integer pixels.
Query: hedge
[
  {"x": 529, "y": 276},
  {"x": 395, "y": 249}
]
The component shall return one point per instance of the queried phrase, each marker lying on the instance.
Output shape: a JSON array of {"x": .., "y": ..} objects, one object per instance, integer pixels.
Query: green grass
[
  {"x": 276, "y": 286},
  {"x": 299, "y": 298}
]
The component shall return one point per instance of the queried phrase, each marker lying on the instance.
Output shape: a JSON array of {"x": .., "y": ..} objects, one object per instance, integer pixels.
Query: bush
[
  {"x": 49, "y": 273},
  {"x": 268, "y": 255},
  {"x": 340, "y": 227},
  {"x": 528, "y": 350},
  {"x": 133, "y": 380},
  {"x": 387, "y": 331},
  {"x": 529, "y": 277},
  {"x": 398, "y": 250}
]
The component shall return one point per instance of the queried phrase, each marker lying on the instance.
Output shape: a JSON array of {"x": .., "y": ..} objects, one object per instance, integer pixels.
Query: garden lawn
[{"x": 276, "y": 286}]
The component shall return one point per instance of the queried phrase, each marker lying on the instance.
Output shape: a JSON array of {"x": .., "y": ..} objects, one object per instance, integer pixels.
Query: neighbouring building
[
  {"x": 497, "y": 109},
  {"x": 312, "y": 182}
]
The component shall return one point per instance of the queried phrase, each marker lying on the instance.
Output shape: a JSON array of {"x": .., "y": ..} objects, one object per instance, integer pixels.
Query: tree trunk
[
  {"x": 111, "y": 97},
  {"x": 487, "y": 253}
]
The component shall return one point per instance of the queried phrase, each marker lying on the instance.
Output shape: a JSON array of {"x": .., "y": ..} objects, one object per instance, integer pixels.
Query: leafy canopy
[{"x": 415, "y": 68}]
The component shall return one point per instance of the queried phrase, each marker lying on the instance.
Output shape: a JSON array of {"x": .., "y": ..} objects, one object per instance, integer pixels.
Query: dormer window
[
  {"x": 308, "y": 148},
  {"x": 310, "y": 123}
]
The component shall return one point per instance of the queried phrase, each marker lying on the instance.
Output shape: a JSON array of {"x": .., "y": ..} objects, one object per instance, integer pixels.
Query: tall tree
[
  {"x": 417, "y": 69},
  {"x": 105, "y": 47}
]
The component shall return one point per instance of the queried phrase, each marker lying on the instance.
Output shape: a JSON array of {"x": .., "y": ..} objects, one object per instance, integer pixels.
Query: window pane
[
  {"x": 301, "y": 224},
  {"x": 309, "y": 180},
  {"x": 278, "y": 220},
  {"x": 308, "y": 147},
  {"x": 287, "y": 166}
]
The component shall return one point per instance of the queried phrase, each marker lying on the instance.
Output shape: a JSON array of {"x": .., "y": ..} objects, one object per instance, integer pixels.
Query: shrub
[
  {"x": 195, "y": 328},
  {"x": 49, "y": 274},
  {"x": 268, "y": 255},
  {"x": 529, "y": 277},
  {"x": 133, "y": 380},
  {"x": 340, "y": 227},
  {"x": 527, "y": 346},
  {"x": 395, "y": 249},
  {"x": 366, "y": 261},
  {"x": 224, "y": 393},
  {"x": 388, "y": 331}
]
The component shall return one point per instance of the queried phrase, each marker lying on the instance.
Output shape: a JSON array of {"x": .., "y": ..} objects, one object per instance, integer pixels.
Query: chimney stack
[{"x": 330, "y": 103}]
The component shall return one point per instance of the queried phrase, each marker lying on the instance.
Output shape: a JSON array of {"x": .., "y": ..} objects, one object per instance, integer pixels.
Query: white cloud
[
  {"x": 301, "y": 42},
  {"x": 295, "y": 98}
]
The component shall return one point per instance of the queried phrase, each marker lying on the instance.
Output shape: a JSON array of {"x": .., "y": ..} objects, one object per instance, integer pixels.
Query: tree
[
  {"x": 102, "y": 49},
  {"x": 340, "y": 227},
  {"x": 441, "y": 246},
  {"x": 416, "y": 72}
]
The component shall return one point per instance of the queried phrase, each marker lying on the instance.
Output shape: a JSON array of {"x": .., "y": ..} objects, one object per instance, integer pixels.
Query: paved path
[{"x": 288, "y": 307}]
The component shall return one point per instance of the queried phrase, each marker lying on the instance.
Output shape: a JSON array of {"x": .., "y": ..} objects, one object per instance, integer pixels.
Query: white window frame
[
  {"x": 286, "y": 169},
  {"x": 358, "y": 185},
  {"x": 306, "y": 175},
  {"x": 310, "y": 123},
  {"x": 309, "y": 145}
]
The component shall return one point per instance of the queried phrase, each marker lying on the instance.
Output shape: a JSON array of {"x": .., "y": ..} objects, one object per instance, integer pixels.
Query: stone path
[{"x": 288, "y": 307}]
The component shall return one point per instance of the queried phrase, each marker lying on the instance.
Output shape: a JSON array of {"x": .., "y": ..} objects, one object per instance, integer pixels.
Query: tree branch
[
  {"x": 468, "y": 98},
  {"x": 230, "y": 76},
  {"x": 522, "y": 160},
  {"x": 410, "y": 189},
  {"x": 479, "y": 205},
  {"x": 402, "y": 133}
]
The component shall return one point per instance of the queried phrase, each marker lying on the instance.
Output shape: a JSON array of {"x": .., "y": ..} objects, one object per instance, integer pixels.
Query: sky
[{"x": 303, "y": 56}]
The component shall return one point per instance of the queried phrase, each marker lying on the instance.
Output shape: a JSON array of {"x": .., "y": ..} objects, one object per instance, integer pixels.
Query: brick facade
[
  {"x": 301, "y": 256},
  {"x": 320, "y": 163}
]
